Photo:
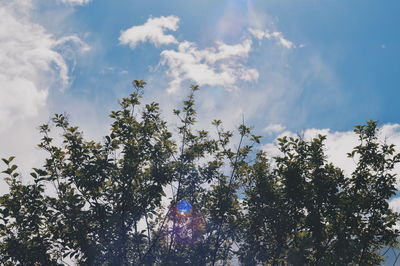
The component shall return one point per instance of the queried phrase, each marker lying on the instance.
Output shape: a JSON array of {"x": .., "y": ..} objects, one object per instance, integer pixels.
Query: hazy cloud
[
  {"x": 75, "y": 2},
  {"x": 273, "y": 128}
]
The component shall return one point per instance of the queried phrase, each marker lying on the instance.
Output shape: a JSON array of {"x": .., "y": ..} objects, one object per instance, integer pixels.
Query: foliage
[{"x": 114, "y": 202}]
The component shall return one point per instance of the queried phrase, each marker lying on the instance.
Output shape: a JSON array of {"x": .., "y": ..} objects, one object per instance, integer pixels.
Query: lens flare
[
  {"x": 184, "y": 207},
  {"x": 184, "y": 224}
]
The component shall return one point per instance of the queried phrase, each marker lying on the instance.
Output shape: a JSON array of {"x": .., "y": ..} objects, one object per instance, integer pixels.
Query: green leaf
[{"x": 13, "y": 168}]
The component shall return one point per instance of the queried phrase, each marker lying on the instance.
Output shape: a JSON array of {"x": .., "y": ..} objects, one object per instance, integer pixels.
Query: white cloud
[
  {"x": 75, "y": 2},
  {"x": 222, "y": 64},
  {"x": 29, "y": 63},
  {"x": 395, "y": 204},
  {"x": 152, "y": 31},
  {"x": 277, "y": 36},
  {"x": 214, "y": 66},
  {"x": 273, "y": 128}
]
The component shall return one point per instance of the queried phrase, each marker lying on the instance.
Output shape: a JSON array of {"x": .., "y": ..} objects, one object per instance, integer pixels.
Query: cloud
[
  {"x": 152, "y": 31},
  {"x": 277, "y": 36},
  {"x": 224, "y": 65},
  {"x": 220, "y": 65},
  {"x": 75, "y": 2},
  {"x": 395, "y": 204},
  {"x": 213, "y": 66},
  {"x": 75, "y": 40},
  {"x": 29, "y": 63},
  {"x": 273, "y": 128}
]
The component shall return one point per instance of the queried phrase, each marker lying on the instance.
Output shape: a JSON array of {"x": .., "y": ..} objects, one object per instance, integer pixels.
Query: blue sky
[
  {"x": 356, "y": 42},
  {"x": 311, "y": 66}
]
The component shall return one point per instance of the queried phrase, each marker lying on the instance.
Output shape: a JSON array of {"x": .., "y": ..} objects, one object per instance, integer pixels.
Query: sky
[{"x": 285, "y": 67}]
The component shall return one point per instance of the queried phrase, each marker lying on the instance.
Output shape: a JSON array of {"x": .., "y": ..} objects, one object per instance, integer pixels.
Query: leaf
[
  {"x": 13, "y": 167},
  {"x": 11, "y": 158},
  {"x": 40, "y": 172},
  {"x": 8, "y": 171},
  {"x": 139, "y": 83}
]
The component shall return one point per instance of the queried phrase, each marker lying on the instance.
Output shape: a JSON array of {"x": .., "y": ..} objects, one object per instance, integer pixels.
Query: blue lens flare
[
  {"x": 185, "y": 223},
  {"x": 184, "y": 207}
]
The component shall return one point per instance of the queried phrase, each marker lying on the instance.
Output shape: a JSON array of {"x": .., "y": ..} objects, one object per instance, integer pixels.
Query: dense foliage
[{"x": 115, "y": 202}]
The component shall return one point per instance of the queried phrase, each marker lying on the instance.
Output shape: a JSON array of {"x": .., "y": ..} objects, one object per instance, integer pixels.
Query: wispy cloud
[
  {"x": 75, "y": 2},
  {"x": 152, "y": 31},
  {"x": 82, "y": 46},
  {"x": 277, "y": 36},
  {"x": 273, "y": 129}
]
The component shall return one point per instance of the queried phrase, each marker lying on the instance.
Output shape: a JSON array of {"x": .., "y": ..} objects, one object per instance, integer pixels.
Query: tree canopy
[{"x": 151, "y": 195}]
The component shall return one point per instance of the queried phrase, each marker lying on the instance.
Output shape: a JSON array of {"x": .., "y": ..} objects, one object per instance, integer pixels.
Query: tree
[
  {"x": 145, "y": 196},
  {"x": 306, "y": 212}
]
